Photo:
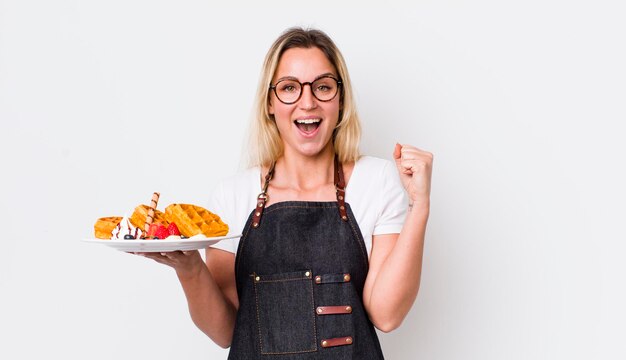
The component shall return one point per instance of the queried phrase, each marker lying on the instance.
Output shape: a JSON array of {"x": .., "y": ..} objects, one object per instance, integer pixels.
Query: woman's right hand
[{"x": 186, "y": 263}]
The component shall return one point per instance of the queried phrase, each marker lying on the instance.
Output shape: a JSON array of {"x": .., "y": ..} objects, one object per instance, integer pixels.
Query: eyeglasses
[{"x": 289, "y": 91}]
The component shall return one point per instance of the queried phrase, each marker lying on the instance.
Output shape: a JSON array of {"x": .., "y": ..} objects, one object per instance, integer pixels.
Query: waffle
[
  {"x": 138, "y": 218},
  {"x": 193, "y": 220},
  {"x": 105, "y": 226}
]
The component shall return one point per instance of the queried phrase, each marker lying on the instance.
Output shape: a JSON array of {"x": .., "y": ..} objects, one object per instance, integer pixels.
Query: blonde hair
[{"x": 265, "y": 142}]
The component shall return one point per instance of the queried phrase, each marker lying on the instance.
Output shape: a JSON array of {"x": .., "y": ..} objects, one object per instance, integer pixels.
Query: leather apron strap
[
  {"x": 262, "y": 198},
  {"x": 340, "y": 185}
]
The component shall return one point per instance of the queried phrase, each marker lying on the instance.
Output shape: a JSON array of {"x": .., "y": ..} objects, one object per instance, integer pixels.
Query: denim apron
[{"x": 300, "y": 270}]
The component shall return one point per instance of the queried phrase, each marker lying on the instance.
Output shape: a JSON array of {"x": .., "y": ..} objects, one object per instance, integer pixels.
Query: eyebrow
[{"x": 295, "y": 78}]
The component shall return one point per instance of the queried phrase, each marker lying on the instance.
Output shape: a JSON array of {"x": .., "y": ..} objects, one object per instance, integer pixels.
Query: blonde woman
[{"x": 332, "y": 241}]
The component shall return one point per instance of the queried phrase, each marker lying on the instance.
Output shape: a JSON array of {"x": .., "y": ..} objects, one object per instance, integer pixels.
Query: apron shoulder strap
[
  {"x": 340, "y": 185},
  {"x": 262, "y": 198}
]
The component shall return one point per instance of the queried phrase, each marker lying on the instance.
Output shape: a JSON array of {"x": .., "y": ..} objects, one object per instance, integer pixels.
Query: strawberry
[
  {"x": 172, "y": 229},
  {"x": 161, "y": 232},
  {"x": 152, "y": 230}
]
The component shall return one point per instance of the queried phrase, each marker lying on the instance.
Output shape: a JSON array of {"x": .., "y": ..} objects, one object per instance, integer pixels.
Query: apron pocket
[{"x": 285, "y": 312}]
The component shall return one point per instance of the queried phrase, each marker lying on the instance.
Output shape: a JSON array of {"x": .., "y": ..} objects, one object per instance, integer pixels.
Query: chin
[{"x": 313, "y": 151}]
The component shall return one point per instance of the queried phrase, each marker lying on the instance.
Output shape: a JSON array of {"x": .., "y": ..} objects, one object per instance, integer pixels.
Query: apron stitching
[
  {"x": 281, "y": 280},
  {"x": 330, "y": 205},
  {"x": 258, "y": 321},
  {"x": 258, "y": 317},
  {"x": 289, "y": 352},
  {"x": 360, "y": 242},
  {"x": 313, "y": 314},
  {"x": 242, "y": 243}
]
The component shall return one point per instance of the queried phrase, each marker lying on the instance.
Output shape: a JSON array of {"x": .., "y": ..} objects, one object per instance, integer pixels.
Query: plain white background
[{"x": 522, "y": 103}]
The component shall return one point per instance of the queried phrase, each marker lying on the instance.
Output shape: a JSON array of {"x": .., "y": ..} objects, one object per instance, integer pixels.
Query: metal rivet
[
  {"x": 324, "y": 343},
  {"x": 307, "y": 274},
  {"x": 320, "y": 310},
  {"x": 255, "y": 224},
  {"x": 340, "y": 197},
  {"x": 346, "y": 277},
  {"x": 257, "y": 278},
  {"x": 348, "y": 340},
  {"x": 318, "y": 279},
  {"x": 258, "y": 214},
  {"x": 349, "y": 308},
  {"x": 344, "y": 217},
  {"x": 259, "y": 204},
  {"x": 342, "y": 207}
]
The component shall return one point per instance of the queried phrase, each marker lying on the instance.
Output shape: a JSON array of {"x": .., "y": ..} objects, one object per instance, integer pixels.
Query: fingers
[
  {"x": 408, "y": 152},
  {"x": 402, "y": 156},
  {"x": 414, "y": 167},
  {"x": 172, "y": 258},
  {"x": 397, "y": 151},
  {"x": 409, "y": 157}
]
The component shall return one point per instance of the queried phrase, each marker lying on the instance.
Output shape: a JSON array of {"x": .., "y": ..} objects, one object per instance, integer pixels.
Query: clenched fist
[{"x": 415, "y": 168}]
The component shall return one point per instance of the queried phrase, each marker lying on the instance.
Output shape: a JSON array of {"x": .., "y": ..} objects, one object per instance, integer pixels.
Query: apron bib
[{"x": 300, "y": 270}]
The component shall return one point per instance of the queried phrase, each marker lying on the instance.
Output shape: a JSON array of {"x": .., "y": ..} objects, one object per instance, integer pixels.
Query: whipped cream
[{"x": 125, "y": 228}]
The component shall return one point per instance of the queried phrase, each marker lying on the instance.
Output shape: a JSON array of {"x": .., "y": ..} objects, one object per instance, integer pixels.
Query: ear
[{"x": 270, "y": 105}]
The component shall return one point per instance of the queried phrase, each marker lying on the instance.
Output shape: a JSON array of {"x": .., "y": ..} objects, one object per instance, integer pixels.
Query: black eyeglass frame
[{"x": 310, "y": 83}]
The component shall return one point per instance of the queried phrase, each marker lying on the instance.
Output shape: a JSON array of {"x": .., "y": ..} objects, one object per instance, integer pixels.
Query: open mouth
[{"x": 308, "y": 125}]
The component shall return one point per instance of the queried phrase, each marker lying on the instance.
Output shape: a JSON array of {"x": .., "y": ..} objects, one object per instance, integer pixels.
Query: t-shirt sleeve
[
  {"x": 225, "y": 209},
  {"x": 393, "y": 200}
]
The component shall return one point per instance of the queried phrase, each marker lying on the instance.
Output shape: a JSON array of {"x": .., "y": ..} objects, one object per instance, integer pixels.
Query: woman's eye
[
  {"x": 288, "y": 88},
  {"x": 323, "y": 88}
]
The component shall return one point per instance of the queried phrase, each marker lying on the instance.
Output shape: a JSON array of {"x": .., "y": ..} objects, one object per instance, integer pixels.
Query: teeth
[{"x": 308, "y": 121}]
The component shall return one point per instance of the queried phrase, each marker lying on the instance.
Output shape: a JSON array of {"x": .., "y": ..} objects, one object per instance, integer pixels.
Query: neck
[{"x": 305, "y": 172}]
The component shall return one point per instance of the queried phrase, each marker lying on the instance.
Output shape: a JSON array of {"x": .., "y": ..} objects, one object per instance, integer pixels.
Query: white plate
[{"x": 160, "y": 245}]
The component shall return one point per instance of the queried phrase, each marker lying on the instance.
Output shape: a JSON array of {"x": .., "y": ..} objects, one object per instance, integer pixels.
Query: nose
[{"x": 307, "y": 100}]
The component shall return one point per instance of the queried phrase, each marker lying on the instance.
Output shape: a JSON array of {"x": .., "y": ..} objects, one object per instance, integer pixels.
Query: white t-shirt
[{"x": 374, "y": 192}]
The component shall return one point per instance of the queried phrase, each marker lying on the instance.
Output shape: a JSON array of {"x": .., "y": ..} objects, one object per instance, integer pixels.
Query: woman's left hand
[{"x": 415, "y": 168}]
